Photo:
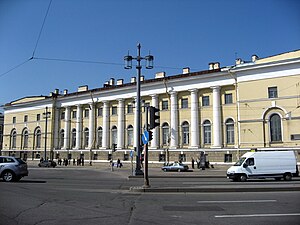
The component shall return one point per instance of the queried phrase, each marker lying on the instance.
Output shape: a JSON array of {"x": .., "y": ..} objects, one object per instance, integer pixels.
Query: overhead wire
[{"x": 41, "y": 30}]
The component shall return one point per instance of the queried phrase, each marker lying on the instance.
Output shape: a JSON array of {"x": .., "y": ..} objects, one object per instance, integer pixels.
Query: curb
[
  {"x": 212, "y": 190},
  {"x": 178, "y": 176}
]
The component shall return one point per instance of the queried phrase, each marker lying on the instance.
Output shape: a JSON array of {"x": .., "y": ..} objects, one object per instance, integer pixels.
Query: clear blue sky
[{"x": 179, "y": 33}]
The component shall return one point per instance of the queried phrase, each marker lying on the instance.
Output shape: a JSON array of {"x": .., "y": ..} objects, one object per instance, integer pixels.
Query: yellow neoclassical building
[{"x": 222, "y": 111}]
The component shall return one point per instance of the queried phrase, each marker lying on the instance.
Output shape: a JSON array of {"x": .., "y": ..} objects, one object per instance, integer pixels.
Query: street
[{"x": 89, "y": 195}]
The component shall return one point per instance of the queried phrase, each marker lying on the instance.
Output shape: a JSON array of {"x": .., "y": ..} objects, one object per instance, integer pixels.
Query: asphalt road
[{"x": 89, "y": 195}]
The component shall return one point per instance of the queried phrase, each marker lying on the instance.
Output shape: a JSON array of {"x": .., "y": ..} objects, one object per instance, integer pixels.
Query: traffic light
[
  {"x": 150, "y": 135},
  {"x": 154, "y": 118},
  {"x": 114, "y": 147}
]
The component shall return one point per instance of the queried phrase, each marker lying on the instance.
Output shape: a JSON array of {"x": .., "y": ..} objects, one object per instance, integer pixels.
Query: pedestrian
[
  {"x": 74, "y": 162},
  {"x": 118, "y": 163},
  {"x": 59, "y": 161},
  {"x": 193, "y": 163},
  {"x": 198, "y": 163},
  {"x": 82, "y": 161}
]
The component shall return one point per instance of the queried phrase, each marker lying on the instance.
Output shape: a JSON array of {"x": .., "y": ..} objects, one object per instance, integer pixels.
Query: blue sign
[{"x": 145, "y": 137}]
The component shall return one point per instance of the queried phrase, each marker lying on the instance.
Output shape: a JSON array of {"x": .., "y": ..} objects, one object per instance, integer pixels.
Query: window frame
[
  {"x": 228, "y": 98},
  {"x": 272, "y": 92}
]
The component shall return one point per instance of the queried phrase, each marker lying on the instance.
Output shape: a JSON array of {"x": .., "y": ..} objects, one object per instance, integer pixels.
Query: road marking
[
  {"x": 258, "y": 215},
  {"x": 239, "y": 201}
]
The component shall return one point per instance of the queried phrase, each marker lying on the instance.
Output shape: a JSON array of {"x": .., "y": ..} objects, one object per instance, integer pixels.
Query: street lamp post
[
  {"x": 128, "y": 65},
  {"x": 46, "y": 114}
]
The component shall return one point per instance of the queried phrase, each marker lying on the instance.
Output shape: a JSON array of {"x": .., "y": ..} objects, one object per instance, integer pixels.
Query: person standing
[{"x": 193, "y": 163}]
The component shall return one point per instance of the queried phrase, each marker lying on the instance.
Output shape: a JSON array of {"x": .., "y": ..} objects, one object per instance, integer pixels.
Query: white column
[
  {"x": 194, "y": 119},
  {"x": 105, "y": 135},
  {"x": 78, "y": 126},
  {"x": 155, "y": 141},
  {"x": 217, "y": 138},
  {"x": 56, "y": 128},
  {"x": 121, "y": 124},
  {"x": 91, "y": 125},
  {"x": 174, "y": 121},
  {"x": 67, "y": 127}
]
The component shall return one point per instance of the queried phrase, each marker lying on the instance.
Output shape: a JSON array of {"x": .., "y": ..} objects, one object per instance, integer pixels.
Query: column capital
[
  {"x": 173, "y": 93},
  {"x": 120, "y": 99},
  {"x": 154, "y": 95},
  {"x": 194, "y": 90},
  {"x": 217, "y": 87}
]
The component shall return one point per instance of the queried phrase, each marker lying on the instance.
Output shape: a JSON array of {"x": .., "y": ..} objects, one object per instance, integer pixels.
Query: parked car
[
  {"x": 12, "y": 169},
  {"x": 47, "y": 163},
  {"x": 176, "y": 166}
]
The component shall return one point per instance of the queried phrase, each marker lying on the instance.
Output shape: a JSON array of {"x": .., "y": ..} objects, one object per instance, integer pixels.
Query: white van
[{"x": 269, "y": 164}]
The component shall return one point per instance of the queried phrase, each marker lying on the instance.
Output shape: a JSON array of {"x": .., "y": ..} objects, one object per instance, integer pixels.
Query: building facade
[{"x": 223, "y": 112}]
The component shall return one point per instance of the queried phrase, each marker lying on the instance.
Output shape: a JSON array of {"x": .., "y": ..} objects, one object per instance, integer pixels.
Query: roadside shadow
[{"x": 33, "y": 181}]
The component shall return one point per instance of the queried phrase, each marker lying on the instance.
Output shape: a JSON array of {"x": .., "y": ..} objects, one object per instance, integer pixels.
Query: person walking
[{"x": 193, "y": 163}]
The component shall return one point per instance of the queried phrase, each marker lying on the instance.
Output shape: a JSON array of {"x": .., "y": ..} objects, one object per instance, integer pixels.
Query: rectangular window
[
  {"x": 100, "y": 111},
  {"x": 62, "y": 115},
  {"x": 14, "y": 119},
  {"x": 129, "y": 108},
  {"x": 182, "y": 158},
  {"x": 38, "y": 117},
  {"x": 205, "y": 100},
  {"x": 86, "y": 113},
  {"x": 114, "y": 110},
  {"x": 164, "y": 105},
  {"x": 126, "y": 157},
  {"x": 184, "y": 103},
  {"x": 74, "y": 114},
  {"x": 25, "y": 118},
  {"x": 95, "y": 156},
  {"x": 272, "y": 92},
  {"x": 147, "y": 105},
  {"x": 162, "y": 157},
  {"x": 295, "y": 137},
  {"x": 228, "y": 158},
  {"x": 228, "y": 98}
]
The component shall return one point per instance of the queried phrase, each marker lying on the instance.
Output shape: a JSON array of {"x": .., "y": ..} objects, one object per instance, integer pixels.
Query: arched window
[
  {"x": 207, "y": 132},
  {"x": 114, "y": 135},
  {"x": 130, "y": 135},
  {"x": 165, "y": 133},
  {"x": 74, "y": 138},
  {"x": 25, "y": 139},
  {"x": 99, "y": 137},
  {"x": 38, "y": 138},
  {"x": 61, "y": 138},
  {"x": 229, "y": 131},
  {"x": 185, "y": 133},
  {"x": 13, "y": 139},
  {"x": 275, "y": 128},
  {"x": 86, "y": 137}
]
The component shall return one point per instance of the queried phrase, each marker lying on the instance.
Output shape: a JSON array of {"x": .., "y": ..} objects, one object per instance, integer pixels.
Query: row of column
[{"x": 194, "y": 123}]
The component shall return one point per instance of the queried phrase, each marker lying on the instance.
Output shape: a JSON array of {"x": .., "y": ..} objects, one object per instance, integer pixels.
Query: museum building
[{"x": 222, "y": 111}]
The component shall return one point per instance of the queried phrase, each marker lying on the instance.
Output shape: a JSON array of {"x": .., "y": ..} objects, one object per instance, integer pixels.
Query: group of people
[
  {"x": 65, "y": 162},
  {"x": 201, "y": 162},
  {"x": 119, "y": 163}
]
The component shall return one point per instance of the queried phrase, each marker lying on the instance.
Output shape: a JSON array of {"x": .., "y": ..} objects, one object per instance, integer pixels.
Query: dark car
[
  {"x": 47, "y": 163},
  {"x": 12, "y": 169},
  {"x": 176, "y": 166}
]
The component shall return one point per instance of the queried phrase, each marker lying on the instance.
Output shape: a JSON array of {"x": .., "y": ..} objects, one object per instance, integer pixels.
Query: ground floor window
[
  {"x": 162, "y": 157},
  {"x": 228, "y": 158},
  {"x": 182, "y": 158}
]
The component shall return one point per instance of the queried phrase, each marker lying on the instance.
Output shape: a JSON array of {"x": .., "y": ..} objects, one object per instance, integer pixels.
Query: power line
[
  {"x": 15, "y": 67},
  {"x": 40, "y": 33},
  {"x": 76, "y": 61}
]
